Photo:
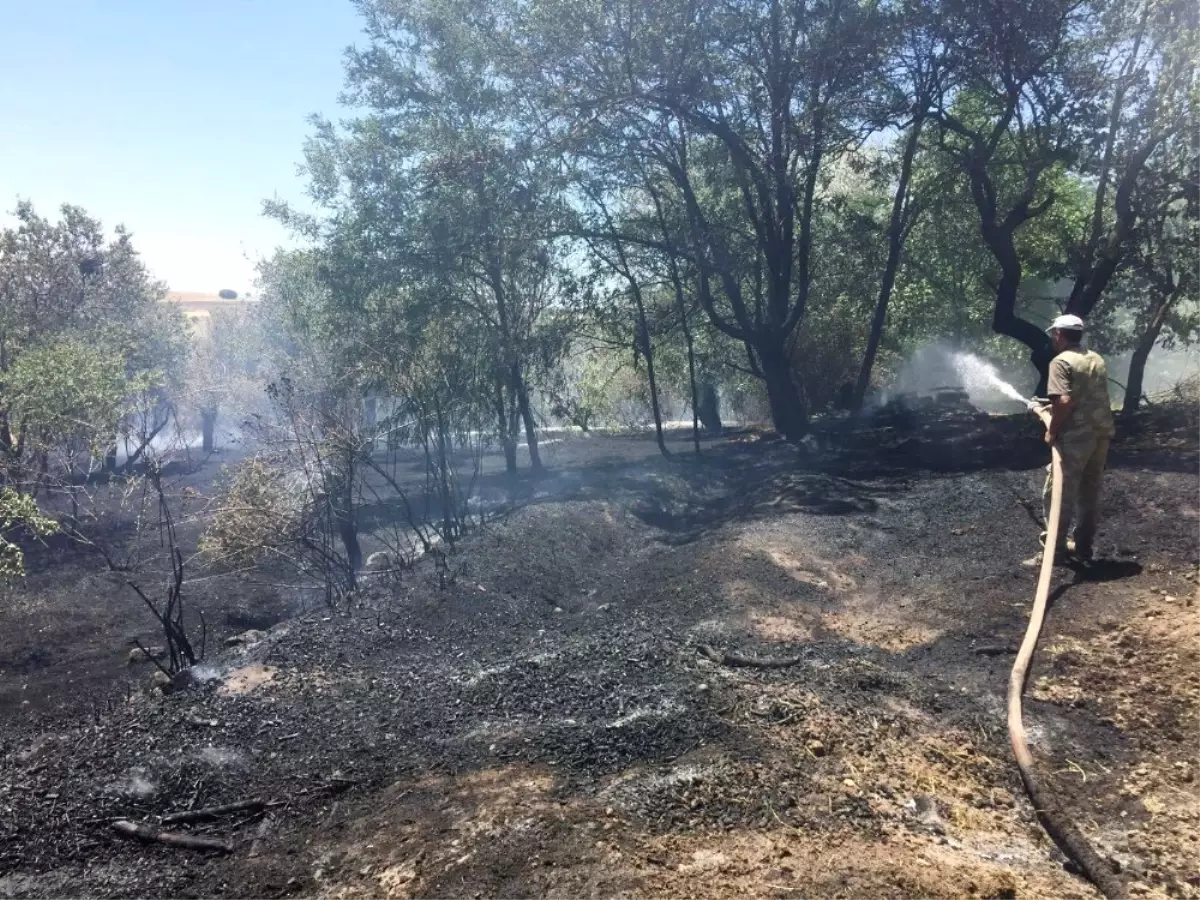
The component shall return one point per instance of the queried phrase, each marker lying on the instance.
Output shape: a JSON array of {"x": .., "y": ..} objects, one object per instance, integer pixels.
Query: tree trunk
[
  {"x": 342, "y": 510},
  {"x": 681, "y": 308},
  {"x": 709, "y": 407},
  {"x": 208, "y": 424},
  {"x": 132, "y": 458},
  {"x": 896, "y": 231},
  {"x": 1141, "y": 353},
  {"x": 444, "y": 470},
  {"x": 641, "y": 341},
  {"x": 517, "y": 384},
  {"x": 787, "y": 409},
  {"x": 1005, "y": 321},
  {"x": 691, "y": 358},
  {"x": 349, "y": 535},
  {"x": 647, "y": 350},
  {"x": 535, "y": 458},
  {"x": 508, "y": 439}
]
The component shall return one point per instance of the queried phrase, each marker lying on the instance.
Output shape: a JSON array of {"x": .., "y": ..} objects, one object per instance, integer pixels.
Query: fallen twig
[
  {"x": 753, "y": 662},
  {"x": 128, "y": 829},
  {"x": 212, "y": 812},
  {"x": 260, "y": 835},
  {"x": 995, "y": 651}
]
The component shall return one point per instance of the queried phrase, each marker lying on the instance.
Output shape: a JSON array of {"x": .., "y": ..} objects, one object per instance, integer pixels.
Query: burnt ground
[{"x": 543, "y": 724}]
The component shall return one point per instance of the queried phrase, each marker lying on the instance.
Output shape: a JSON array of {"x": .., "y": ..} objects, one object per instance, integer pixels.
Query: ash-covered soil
[{"x": 541, "y": 722}]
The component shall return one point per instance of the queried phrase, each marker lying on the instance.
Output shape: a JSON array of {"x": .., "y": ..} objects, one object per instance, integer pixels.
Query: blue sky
[{"x": 174, "y": 117}]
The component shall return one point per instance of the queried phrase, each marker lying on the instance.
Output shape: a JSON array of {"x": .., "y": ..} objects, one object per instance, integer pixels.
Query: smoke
[
  {"x": 940, "y": 366},
  {"x": 174, "y": 438},
  {"x": 1165, "y": 368},
  {"x": 203, "y": 673},
  {"x": 135, "y": 786},
  {"x": 219, "y": 757}
]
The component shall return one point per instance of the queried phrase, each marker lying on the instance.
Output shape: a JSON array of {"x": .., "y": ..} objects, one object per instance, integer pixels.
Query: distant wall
[{"x": 198, "y": 307}]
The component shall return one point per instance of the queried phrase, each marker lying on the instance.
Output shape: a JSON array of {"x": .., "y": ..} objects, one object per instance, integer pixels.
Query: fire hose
[{"x": 1052, "y": 817}]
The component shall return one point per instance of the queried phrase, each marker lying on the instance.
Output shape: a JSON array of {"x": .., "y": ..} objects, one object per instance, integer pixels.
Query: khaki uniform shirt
[{"x": 1082, "y": 376}]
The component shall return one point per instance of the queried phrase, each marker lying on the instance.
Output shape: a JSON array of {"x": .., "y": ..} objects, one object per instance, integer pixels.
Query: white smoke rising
[
  {"x": 136, "y": 785},
  {"x": 939, "y": 366},
  {"x": 219, "y": 757},
  {"x": 202, "y": 673}
]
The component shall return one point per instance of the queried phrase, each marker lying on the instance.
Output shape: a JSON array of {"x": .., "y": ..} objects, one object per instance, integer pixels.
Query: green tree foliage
[
  {"x": 728, "y": 190},
  {"x": 19, "y": 513},
  {"x": 70, "y": 397},
  {"x": 433, "y": 193},
  {"x": 84, "y": 340},
  {"x": 741, "y": 106}
]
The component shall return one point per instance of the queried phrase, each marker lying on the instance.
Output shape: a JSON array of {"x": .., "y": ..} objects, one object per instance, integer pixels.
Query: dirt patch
[{"x": 245, "y": 678}]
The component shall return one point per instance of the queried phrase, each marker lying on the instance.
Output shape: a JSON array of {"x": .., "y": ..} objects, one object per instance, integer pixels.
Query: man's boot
[{"x": 1062, "y": 555}]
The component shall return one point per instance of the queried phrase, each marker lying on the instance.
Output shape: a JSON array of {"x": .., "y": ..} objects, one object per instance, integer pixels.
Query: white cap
[{"x": 1066, "y": 323}]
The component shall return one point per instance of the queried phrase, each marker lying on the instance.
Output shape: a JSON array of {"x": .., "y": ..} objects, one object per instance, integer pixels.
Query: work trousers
[{"x": 1083, "y": 459}]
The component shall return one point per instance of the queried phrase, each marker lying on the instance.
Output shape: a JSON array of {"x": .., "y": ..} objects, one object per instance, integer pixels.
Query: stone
[
  {"x": 139, "y": 655},
  {"x": 378, "y": 561},
  {"x": 40, "y": 746},
  {"x": 1003, "y": 799},
  {"x": 253, "y": 636},
  {"x": 160, "y": 682}
]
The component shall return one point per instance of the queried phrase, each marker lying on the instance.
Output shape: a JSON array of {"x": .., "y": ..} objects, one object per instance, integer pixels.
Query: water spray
[{"x": 979, "y": 373}]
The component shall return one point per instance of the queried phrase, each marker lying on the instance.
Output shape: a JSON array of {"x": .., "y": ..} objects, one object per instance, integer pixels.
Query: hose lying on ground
[{"x": 1051, "y": 816}]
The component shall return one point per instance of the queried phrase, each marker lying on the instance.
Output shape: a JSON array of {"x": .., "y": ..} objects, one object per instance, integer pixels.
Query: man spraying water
[{"x": 1081, "y": 424}]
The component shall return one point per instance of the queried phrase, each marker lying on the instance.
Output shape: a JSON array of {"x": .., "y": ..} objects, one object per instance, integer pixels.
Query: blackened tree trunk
[
  {"x": 691, "y": 361},
  {"x": 709, "y": 408},
  {"x": 1006, "y": 321},
  {"x": 444, "y": 475},
  {"x": 765, "y": 317},
  {"x": 647, "y": 350},
  {"x": 508, "y": 438},
  {"x": 349, "y": 535},
  {"x": 681, "y": 308},
  {"x": 1141, "y": 353},
  {"x": 898, "y": 227},
  {"x": 208, "y": 425},
  {"x": 689, "y": 343},
  {"x": 998, "y": 232},
  {"x": 787, "y": 407},
  {"x": 535, "y": 456},
  {"x": 509, "y": 349}
]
